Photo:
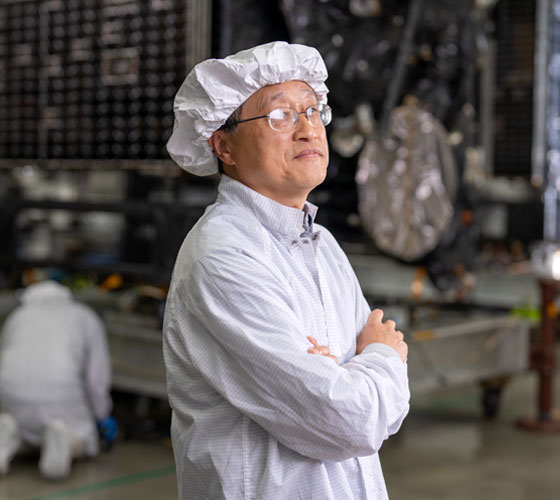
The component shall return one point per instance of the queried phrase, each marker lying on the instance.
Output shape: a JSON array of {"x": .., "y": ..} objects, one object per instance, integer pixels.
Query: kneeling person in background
[{"x": 55, "y": 379}]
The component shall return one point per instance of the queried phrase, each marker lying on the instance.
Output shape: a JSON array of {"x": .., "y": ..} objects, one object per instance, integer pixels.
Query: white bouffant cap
[{"x": 215, "y": 88}]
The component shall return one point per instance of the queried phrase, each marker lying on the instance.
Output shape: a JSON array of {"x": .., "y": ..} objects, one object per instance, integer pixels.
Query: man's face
[{"x": 284, "y": 166}]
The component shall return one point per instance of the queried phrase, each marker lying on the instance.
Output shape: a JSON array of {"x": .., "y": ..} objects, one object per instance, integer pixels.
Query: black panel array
[
  {"x": 515, "y": 36},
  {"x": 19, "y": 83},
  {"x": 89, "y": 79}
]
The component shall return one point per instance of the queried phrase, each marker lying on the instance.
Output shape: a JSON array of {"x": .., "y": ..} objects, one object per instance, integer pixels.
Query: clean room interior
[{"x": 442, "y": 189}]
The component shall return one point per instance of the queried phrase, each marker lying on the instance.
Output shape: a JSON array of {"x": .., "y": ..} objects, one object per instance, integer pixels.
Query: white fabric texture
[
  {"x": 10, "y": 441},
  {"x": 255, "y": 416},
  {"x": 55, "y": 364},
  {"x": 215, "y": 88}
]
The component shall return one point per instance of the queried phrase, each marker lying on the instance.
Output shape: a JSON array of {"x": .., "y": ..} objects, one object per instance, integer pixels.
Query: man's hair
[{"x": 230, "y": 125}]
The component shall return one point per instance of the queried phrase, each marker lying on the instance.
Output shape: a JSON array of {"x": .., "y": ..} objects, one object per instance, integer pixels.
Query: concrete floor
[
  {"x": 445, "y": 450},
  {"x": 131, "y": 470}
]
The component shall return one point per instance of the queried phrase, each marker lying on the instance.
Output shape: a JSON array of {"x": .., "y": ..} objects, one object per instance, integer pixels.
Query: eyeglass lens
[{"x": 286, "y": 118}]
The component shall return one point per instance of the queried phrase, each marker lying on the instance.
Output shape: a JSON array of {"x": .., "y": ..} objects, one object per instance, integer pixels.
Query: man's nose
[{"x": 304, "y": 129}]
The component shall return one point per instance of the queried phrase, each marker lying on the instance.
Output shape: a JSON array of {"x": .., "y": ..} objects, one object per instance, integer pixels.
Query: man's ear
[{"x": 220, "y": 143}]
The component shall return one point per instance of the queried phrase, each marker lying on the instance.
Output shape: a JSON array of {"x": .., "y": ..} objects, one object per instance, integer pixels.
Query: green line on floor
[{"x": 111, "y": 483}]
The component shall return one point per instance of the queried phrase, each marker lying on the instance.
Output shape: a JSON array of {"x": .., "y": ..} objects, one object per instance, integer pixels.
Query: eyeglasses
[{"x": 285, "y": 119}]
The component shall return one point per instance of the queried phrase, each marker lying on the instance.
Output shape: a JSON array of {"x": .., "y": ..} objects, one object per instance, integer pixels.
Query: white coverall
[
  {"x": 55, "y": 364},
  {"x": 255, "y": 416}
]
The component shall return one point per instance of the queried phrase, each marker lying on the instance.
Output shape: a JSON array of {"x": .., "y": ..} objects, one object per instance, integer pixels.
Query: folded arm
[{"x": 255, "y": 354}]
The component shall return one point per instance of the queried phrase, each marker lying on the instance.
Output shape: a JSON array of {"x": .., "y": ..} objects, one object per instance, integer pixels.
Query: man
[
  {"x": 54, "y": 380},
  {"x": 282, "y": 383}
]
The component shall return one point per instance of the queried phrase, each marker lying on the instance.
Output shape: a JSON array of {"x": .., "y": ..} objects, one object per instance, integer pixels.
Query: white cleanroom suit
[{"x": 55, "y": 366}]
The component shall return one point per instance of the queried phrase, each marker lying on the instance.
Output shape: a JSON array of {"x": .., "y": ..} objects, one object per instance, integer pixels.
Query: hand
[
  {"x": 377, "y": 331},
  {"x": 323, "y": 350}
]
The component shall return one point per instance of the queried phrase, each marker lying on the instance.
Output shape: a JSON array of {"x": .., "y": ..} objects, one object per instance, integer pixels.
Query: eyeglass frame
[{"x": 232, "y": 124}]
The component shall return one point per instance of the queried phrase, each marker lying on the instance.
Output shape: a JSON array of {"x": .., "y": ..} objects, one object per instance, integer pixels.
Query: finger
[
  {"x": 312, "y": 350},
  {"x": 404, "y": 351},
  {"x": 390, "y": 323},
  {"x": 313, "y": 341},
  {"x": 401, "y": 348},
  {"x": 324, "y": 350},
  {"x": 376, "y": 316},
  {"x": 400, "y": 334}
]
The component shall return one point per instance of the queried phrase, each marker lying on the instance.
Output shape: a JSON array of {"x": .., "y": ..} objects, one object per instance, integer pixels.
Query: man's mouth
[{"x": 307, "y": 153}]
